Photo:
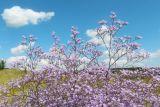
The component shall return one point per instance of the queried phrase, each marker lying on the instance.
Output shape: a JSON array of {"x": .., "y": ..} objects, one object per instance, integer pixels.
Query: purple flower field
[{"x": 55, "y": 88}]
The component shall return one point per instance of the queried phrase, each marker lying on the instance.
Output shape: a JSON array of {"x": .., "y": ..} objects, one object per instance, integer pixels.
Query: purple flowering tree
[
  {"x": 119, "y": 48},
  {"x": 33, "y": 53},
  {"x": 75, "y": 56}
]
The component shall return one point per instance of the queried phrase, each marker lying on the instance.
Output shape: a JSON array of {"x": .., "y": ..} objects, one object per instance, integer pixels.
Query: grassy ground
[{"x": 9, "y": 74}]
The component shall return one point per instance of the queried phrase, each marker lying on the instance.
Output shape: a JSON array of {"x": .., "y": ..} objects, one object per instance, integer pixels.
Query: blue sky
[{"x": 143, "y": 17}]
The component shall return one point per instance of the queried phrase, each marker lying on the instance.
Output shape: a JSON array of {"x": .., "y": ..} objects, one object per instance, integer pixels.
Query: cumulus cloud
[
  {"x": 13, "y": 59},
  {"x": 85, "y": 59},
  {"x": 120, "y": 62},
  {"x": 18, "y": 50},
  {"x": 18, "y": 17},
  {"x": 153, "y": 60},
  {"x": 92, "y": 33},
  {"x": 155, "y": 54},
  {"x": 124, "y": 63},
  {"x": 23, "y": 59}
]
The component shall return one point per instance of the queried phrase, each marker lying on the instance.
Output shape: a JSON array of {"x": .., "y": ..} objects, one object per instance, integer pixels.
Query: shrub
[{"x": 2, "y": 64}]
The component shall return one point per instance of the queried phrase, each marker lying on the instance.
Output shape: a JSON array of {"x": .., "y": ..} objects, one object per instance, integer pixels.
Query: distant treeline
[
  {"x": 2, "y": 64},
  {"x": 130, "y": 68}
]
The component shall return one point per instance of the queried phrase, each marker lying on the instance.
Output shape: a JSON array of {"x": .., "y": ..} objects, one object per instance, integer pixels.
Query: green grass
[{"x": 9, "y": 74}]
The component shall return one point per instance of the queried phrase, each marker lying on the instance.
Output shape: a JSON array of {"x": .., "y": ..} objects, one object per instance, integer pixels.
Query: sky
[{"x": 41, "y": 17}]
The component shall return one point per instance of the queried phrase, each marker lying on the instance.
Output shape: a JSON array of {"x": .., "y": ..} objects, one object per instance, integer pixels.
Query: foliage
[{"x": 2, "y": 64}]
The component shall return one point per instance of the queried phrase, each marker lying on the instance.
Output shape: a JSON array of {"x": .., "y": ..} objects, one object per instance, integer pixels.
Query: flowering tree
[
  {"x": 119, "y": 47},
  {"x": 75, "y": 56},
  {"x": 81, "y": 55},
  {"x": 34, "y": 54}
]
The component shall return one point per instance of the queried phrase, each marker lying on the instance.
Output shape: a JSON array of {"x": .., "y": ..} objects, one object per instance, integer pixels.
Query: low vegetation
[
  {"x": 7, "y": 75},
  {"x": 2, "y": 64}
]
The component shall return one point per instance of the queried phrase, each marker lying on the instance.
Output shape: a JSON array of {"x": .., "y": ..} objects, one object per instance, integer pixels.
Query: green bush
[{"x": 2, "y": 64}]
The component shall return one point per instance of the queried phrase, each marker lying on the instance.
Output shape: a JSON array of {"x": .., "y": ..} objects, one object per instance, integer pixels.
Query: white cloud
[
  {"x": 155, "y": 54},
  {"x": 18, "y": 50},
  {"x": 92, "y": 33},
  {"x": 23, "y": 59},
  {"x": 85, "y": 59},
  {"x": 118, "y": 63},
  {"x": 123, "y": 63},
  {"x": 18, "y": 17},
  {"x": 95, "y": 40},
  {"x": 153, "y": 60},
  {"x": 14, "y": 59},
  {"x": 100, "y": 41}
]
